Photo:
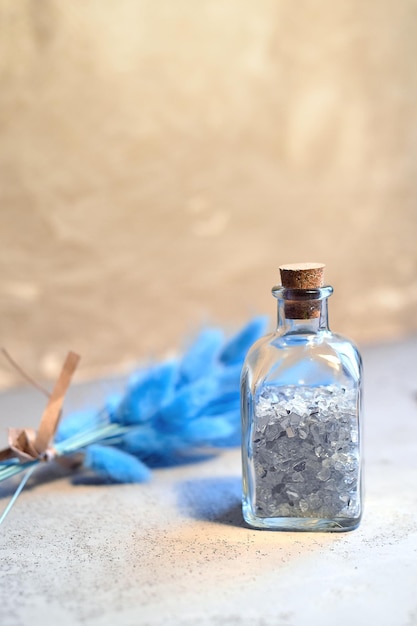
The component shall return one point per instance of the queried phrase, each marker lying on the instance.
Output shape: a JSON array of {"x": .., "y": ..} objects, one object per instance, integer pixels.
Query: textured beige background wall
[{"x": 159, "y": 160}]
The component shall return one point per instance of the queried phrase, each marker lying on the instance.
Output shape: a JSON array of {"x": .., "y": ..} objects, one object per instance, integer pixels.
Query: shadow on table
[
  {"x": 70, "y": 468},
  {"x": 216, "y": 500},
  {"x": 48, "y": 473},
  {"x": 43, "y": 473}
]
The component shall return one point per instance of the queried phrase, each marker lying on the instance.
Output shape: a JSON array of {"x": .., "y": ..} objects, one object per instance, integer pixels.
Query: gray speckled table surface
[{"x": 175, "y": 551}]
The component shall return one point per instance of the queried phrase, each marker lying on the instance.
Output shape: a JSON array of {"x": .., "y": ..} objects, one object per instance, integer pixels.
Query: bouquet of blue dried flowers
[{"x": 168, "y": 412}]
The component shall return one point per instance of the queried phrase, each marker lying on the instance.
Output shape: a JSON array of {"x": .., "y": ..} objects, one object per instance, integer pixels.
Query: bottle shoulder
[
  {"x": 318, "y": 357},
  {"x": 277, "y": 342},
  {"x": 345, "y": 345}
]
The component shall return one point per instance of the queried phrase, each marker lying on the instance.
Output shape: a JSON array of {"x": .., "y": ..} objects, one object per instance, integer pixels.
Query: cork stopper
[{"x": 302, "y": 276}]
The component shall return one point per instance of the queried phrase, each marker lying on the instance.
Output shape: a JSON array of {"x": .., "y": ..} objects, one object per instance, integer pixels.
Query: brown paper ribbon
[{"x": 28, "y": 445}]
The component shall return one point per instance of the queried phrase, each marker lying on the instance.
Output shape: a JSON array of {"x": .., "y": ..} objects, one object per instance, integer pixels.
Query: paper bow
[{"x": 28, "y": 445}]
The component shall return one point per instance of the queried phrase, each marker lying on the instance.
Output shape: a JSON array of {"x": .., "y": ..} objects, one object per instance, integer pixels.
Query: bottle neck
[
  {"x": 312, "y": 325},
  {"x": 302, "y": 311}
]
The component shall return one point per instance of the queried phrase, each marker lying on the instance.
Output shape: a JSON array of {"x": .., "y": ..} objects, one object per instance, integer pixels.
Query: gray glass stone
[{"x": 305, "y": 452}]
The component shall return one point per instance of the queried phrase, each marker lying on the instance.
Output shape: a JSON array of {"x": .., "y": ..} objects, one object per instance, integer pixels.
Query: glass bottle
[{"x": 301, "y": 408}]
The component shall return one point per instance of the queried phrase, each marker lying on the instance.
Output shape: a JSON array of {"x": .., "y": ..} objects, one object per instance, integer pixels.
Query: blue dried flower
[
  {"x": 171, "y": 409},
  {"x": 200, "y": 358},
  {"x": 115, "y": 465},
  {"x": 146, "y": 391},
  {"x": 234, "y": 351}
]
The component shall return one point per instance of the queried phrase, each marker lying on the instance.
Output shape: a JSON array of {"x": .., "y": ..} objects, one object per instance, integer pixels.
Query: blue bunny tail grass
[
  {"x": 115, "y": 465},
  {"x": 171, "y": 411},
  {"x": 200, "y": 357},
  {"x": 76, "y": 423},
  {"x": 147, "y": 390},
  {"x": 208, "y": 430},
  {"x": 187, "y": 404},
  {"x": 234, "y": 351}
]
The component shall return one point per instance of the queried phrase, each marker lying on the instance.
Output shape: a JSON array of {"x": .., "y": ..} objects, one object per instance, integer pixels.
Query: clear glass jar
[{"x": 301, "y": 408}]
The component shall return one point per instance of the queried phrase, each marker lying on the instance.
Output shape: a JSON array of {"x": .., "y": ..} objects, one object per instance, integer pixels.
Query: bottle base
[{"x": 305, "y": 524}]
